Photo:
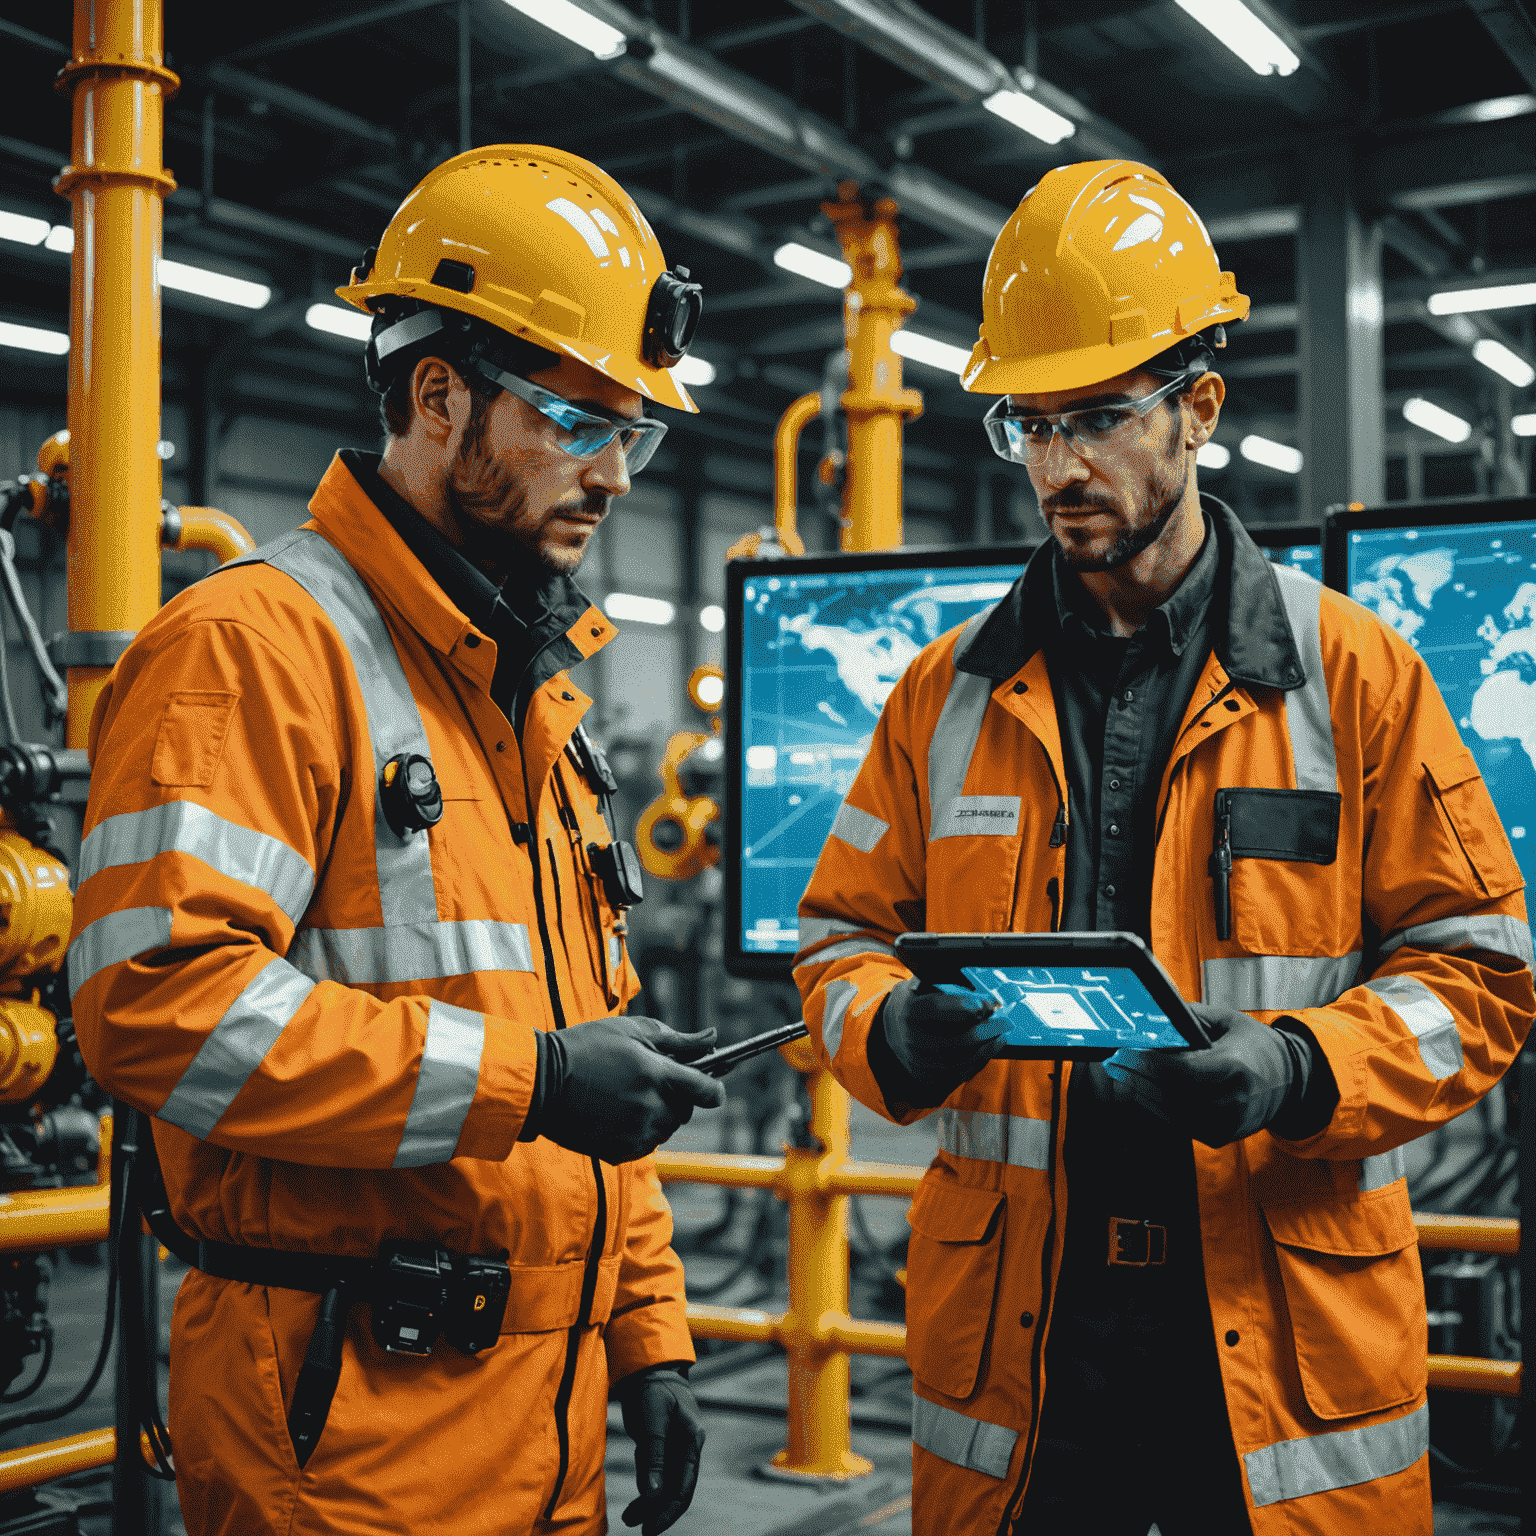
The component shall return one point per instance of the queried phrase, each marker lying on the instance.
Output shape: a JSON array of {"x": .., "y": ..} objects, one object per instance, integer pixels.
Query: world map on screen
[
  {"x": 821, "y": 653},
  {"x": 1465, "y": 598}
]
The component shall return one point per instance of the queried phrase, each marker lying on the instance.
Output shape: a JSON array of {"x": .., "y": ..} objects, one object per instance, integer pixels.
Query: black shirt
[{"x": 527, "y": 617}]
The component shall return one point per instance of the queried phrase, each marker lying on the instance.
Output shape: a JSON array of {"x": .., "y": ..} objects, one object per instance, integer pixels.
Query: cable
[
  {"x": 12, "y": 730},
  {"x": 39, "y": 1379}
]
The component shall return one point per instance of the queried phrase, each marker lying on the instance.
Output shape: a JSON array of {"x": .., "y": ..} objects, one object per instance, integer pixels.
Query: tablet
[{"x": 1061, "y": 996}]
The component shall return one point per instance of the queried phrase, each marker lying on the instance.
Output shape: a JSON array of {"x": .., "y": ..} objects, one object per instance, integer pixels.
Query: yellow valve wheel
[
  {"x": 29, "y": 1043},
  {"x": 36, "y": 909}
]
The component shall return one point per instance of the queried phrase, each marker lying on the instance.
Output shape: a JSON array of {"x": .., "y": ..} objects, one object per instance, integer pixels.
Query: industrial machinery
[{"x": 678, "y": 833}]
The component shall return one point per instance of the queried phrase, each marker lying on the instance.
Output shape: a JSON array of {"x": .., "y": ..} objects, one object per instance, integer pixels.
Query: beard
[
  {"x": 487, "y": 503},
  {"x": 1159, "y": 500}
]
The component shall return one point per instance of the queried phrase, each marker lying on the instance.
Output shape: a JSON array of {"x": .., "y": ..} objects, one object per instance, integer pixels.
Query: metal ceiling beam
[
  {"x": 34, "y": 39},
  {"x": 299, "y": 105},
  {"x": 359, "y": 21},
  {"x": 918, "y": 42},
  {"x": 1513, "y": 30}
]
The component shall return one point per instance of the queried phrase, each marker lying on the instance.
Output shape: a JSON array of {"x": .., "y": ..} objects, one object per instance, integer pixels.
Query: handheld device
[
  {"x": 1061, "y": 996},
  {"x": 721, "y": 1061}
]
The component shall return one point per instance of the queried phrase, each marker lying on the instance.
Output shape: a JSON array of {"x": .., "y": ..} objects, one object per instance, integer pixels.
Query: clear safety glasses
[
  {"x": 1026, "y": 439},
  {"x": 579, "y": 432}
]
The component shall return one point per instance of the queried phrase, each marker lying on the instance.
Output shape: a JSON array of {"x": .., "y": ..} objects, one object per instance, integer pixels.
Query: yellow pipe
[
  {"x": 33, "y": 1219},
  {"x": 34, "y": 1464},
  {"x": 206, "y": 528},
  {"x": 1468, "y": 1234},
  {"x": 876, "y": 404},
  {"x": 1466, "y": 1373},
  {"x": 786, "y": 469},
  {"x": 740, "y": 1172},
  {"x": 117, "y": 184}
]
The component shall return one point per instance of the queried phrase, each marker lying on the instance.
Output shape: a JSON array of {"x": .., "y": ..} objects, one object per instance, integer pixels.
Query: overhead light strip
[
  {"x": 574, "y": 25},
  {"x": 1432, "y": 418},
  {"x": 1462, "y": 301},
  {"x": 1256, "y": 43}
]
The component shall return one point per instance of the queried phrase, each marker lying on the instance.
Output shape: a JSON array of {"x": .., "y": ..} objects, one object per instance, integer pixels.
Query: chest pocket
[{"x": 1285, "y": 881}]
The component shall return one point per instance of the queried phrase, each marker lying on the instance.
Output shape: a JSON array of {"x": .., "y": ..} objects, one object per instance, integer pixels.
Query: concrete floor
[{"x": 744, "y": 1408}]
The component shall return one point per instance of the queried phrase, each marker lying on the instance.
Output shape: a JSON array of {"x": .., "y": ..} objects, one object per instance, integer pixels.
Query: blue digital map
[
  {"x": 1464, "y": 596},
  {"x": 821, "y": 654},
  {"x": 1042, "y": 1005}
]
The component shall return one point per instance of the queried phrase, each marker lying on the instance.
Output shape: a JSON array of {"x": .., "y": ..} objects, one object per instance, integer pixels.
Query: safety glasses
[
  {"x": 579, "y": 432},
  {"x": 1026, "y": 439}
]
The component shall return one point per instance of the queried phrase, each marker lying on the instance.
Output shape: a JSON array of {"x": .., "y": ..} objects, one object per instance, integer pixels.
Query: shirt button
[
  {"x": 1233, "y": 1336},
  {"x": 1109, "y": 890},
  {"x": 471, "y": 640},
  {"x": 501, "y": 746},
  {"x": 1021, "y": 688},
  {"x": 1114, "y": 829},
  {"x": 1026, "y": 1320},
  {"x": 1127, "y": 695},
  {"x": 570, "y": 698}
]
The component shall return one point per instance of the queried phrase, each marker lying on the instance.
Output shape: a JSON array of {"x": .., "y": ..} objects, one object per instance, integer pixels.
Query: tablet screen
[{"x": 1044, "y": 1005}]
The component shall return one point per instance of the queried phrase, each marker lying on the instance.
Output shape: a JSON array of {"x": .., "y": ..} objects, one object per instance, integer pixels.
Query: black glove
[
  {"x": 662, "y": 1417},
  {"x": 605, "y": 1088},
  {"x": 937, "y": 1040},
  {"x": 1254, "y": 1076}
]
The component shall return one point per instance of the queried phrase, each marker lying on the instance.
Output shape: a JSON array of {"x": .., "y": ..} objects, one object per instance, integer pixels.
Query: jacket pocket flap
[
  {"x": 1284, "y": 824},
  {"x": 952, "y": 1213},
  {"x": 1452, "y": 768},
  {"x": 1356, "y": 1229}
]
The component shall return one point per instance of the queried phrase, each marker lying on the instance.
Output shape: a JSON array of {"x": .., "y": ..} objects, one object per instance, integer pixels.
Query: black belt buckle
[
  {"x": 1136, "y": 1244},
  {"x": 410, "y": 1296},
  {"x": 477, "y": 1304}
]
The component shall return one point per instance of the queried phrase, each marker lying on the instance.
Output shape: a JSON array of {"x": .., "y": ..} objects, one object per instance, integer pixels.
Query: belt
[
  {"x": 1135, "y": 1244},
  {"x": 284, "y": 1268}
]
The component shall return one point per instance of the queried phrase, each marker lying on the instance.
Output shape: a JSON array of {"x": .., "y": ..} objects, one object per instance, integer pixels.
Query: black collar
[{"x": 1249, "y": 630}]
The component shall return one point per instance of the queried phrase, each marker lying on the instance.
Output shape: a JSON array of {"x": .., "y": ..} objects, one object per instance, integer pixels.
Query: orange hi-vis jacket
[
  {"x": 333, "y": 1027},
  {"x": 1406, "y": 953}
]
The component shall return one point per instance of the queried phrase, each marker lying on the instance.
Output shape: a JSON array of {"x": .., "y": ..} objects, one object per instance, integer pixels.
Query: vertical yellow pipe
[
  {"x": 874, "y": 306},
  {"x": 819, "y": 1425},
  {"x": 116, "y": 184}
]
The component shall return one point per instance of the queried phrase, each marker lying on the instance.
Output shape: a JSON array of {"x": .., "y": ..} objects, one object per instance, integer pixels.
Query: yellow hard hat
[
  {"x": 544, "y": 246},
  {"x": 1102, "y": 266}
]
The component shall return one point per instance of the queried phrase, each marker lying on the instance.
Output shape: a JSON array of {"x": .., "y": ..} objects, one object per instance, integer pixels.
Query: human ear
[
  {"x": 1205, "y": 400},
  {"x": 433, "y": 388}
]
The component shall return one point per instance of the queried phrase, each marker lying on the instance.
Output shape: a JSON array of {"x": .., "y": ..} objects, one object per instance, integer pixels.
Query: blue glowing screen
[
  {"x": 1464, "y": 597},
  {"x": 820, "y": 655},
  {"x": 1303, "y": 557},
  {"x": 1040, "y": 1005}
]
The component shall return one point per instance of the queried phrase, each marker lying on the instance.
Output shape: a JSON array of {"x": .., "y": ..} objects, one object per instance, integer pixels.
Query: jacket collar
[{"x": 1250, "y": 632}]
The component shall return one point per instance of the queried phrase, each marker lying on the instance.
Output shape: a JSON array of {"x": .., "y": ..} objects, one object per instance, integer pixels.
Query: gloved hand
[
  {"x": 939, "y": 1039},
  {"x": 662, "y": 1417},
  {"x": 612, "y": 1089},
  {"x": 1235, "y": 1088}
]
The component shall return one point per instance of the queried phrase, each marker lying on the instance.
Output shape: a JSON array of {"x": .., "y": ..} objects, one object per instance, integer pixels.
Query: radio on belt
[{"x": 421, "y": 1290}]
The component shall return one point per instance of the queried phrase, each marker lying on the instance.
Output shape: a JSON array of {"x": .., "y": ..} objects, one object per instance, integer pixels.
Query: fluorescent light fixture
[
  {"x": 332, "y": 318},
  {"x": 213, "y": 285},
  {"x": 61, "y": 238},
  {"x": 1429, "y": 416},
  {"x": 712, "y": 618},
  {"x": 574, "y": 24},
  {"x": 1230, "y": 22},
  {"x": 804, "y": 262},
  {"x": 1032, "y": 116},
  {"x": 1213, "y": 456},
  {"x": 1272, "y": 455},
  {"x": 938, "y": 354},
  {"x": 642, "y": 610},
  {"x": 1524, "y": 426},
  {"x": 21, "y": 229},
  {"x": 1508, "y": 365},
  {"x": 1464, "y": 300},
  {"x": 693, "y": 370},
  {"x": 31, "y": 338},
  {"x": 711, "y": 690},
  {"x": 1497, "y": 108}
]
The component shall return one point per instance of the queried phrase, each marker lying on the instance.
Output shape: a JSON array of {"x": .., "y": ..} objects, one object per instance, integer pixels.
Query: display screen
[
  {"x": 1463, "y": 595},
  {"x": 1046, "y": 1005},
  {"x": 820, "y": 652},
  {"x": 1302, "y": 557}
]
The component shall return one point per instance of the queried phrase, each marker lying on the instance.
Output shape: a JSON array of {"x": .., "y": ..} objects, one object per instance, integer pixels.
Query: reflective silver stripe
[
  {"x": 237, "y": 1045},
  {"x": 183, "y": 826},
  {"x": 839, "y": 994},
  {"x": 955, "y": 736},
  {"x": 1342, "y": 1458},
  {"x": 844, "y": 950},
  {"x": 1428, "y": 1018},
  {"x": 814, "y": 929},
  {"x": 1259, "y": 982},
  {"x": 615, "y": 952},
  {"x": 415, "y": 952},
  {"x": 1306, "y": 708},
  {"x": 1382, "y": 1169},
  {"x": 959, "y": 1438},
  {"x": 406, "y": 891},
  {"x": 115, "y": 937},
  {"x": 1501, "y": 935},
  {"x": 1013, "y": 1139},
  {"x": 858, "y": 828},
  {"x": 445, "y": 1086},
  {"x": 977, "y": 816}
]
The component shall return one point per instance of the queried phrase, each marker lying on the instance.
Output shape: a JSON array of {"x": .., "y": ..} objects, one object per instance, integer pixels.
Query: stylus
[{"x": 718, "y": 1063}]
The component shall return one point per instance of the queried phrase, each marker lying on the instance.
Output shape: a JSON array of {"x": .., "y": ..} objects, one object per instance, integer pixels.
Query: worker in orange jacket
[
  {"x": 351, "y": 916},
  {"x": 1177, "y": 1286}
]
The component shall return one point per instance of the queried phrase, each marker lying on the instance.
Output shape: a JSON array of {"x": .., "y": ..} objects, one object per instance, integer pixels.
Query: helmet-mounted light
[{"x": 671, "y": 318}]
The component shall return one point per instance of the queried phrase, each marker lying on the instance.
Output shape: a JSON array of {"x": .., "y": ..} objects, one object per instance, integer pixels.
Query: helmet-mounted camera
[{"x": 671, "y": 318}]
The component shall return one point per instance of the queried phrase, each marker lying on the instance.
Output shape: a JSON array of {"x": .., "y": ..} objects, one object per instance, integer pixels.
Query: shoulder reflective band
[{"x": 1307, "y": 717}]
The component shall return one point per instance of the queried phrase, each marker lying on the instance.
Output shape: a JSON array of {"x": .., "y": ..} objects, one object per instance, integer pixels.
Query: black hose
[
  {"x": 12, "y": 730},
  {"x": 39, "y": 1379}
]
